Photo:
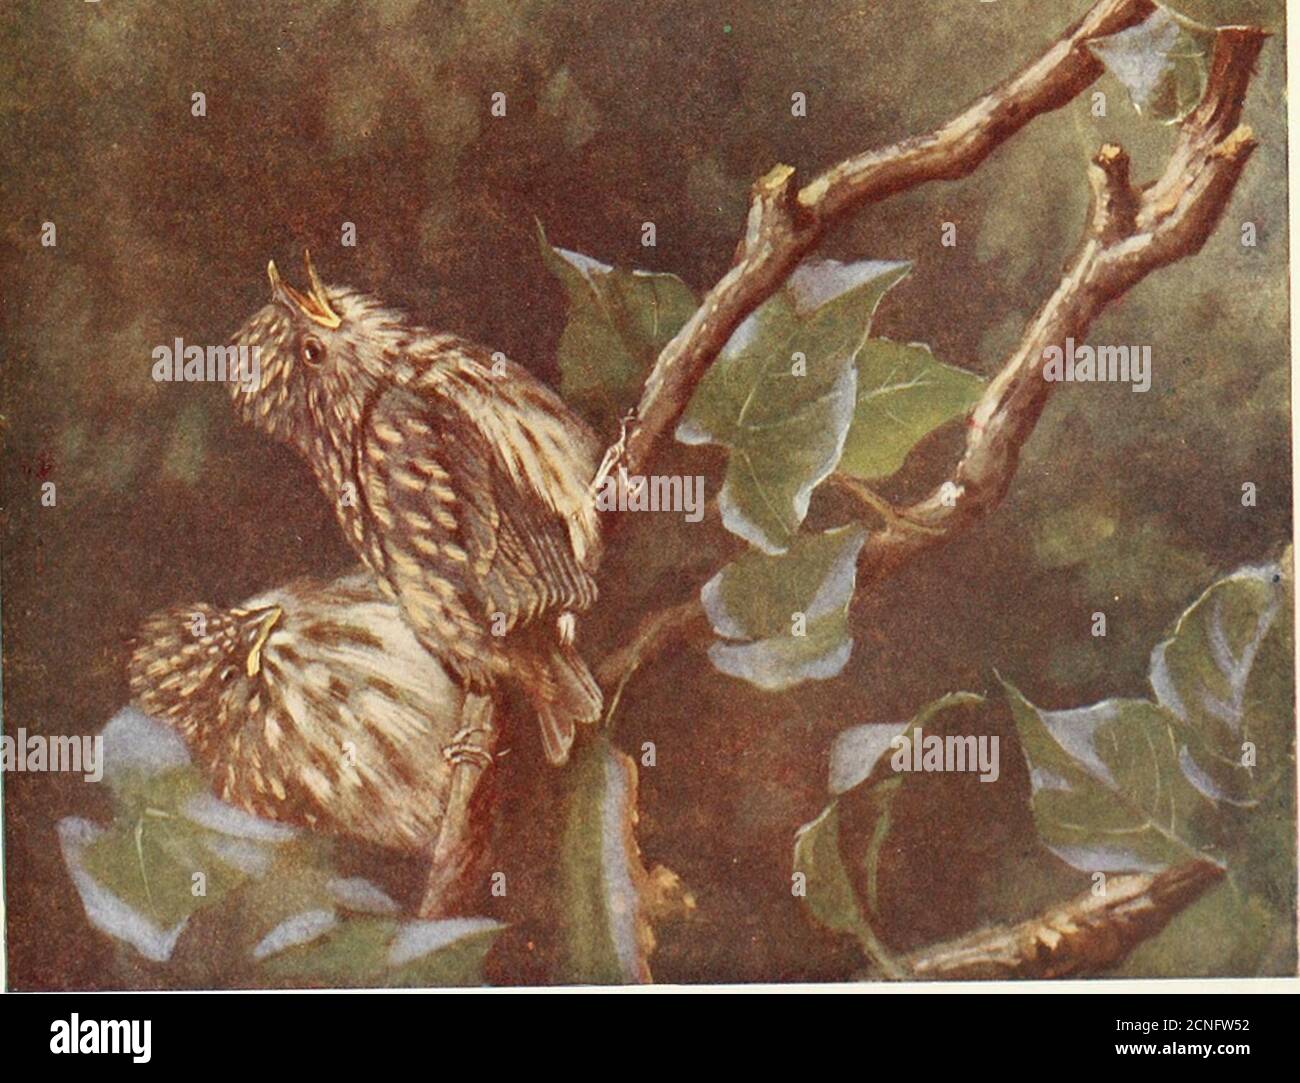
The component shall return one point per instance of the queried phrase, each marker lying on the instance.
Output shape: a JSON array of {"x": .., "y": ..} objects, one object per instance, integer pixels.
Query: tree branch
[
  {"x": 1087, "y": 935},
  {"x": 785, "y": 223},
  {"x": 1130, "y": 233}
]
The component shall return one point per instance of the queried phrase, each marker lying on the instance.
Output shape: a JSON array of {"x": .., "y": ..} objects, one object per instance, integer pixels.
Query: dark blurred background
[{"x": 618, "y": 114}]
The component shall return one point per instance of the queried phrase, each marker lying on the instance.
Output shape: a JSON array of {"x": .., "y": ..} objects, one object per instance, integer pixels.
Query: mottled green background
[{"x": 619, "y": 113}]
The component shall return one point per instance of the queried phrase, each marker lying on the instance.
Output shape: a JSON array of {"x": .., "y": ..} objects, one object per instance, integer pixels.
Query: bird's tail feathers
[{"x": 565, "y": 695}]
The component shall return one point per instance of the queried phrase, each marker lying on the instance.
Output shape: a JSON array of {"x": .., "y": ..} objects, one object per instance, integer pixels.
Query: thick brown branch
[
  {"x": 786, "y": 223},
  {"x": 1087, "y": 935},
  {"x": 1129, "y": 235}
]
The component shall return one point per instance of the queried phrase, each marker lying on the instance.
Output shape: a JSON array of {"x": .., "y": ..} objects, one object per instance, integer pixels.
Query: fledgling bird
[
  {"x": 460, "y": 479},
  {"x": 312, "y": 704}
]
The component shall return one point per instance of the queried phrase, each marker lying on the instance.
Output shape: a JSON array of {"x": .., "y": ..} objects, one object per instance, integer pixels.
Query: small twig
[
  {"x": 657, "y": 632},
  {"x": 874, "y": 502}
]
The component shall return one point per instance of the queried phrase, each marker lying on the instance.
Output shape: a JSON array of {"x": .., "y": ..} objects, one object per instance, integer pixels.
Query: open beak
[
  {"x": 314, "y": 304},
  {"x": 263, "y": 634}
]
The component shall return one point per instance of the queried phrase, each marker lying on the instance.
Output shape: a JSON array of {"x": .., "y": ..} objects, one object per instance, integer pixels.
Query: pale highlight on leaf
[{"x": 753, "y": 601}]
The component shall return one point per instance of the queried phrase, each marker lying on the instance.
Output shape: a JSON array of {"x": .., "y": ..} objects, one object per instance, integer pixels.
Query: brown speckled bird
[
  {"x": 459, "y": 478},
  {"x": 312, "y": 704}
]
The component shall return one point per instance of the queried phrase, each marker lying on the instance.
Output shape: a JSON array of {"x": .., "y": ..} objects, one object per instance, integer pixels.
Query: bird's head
[
  {"x": 197, "y": 666},
  {"x": 314, "y": 356}
]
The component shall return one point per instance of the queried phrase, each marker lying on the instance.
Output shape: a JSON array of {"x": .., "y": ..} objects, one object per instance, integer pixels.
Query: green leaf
[
  {"x": 903, "y": 393},
  {"x": 781, "y": 395},
  {"x": 830, "y": 895},
  {"x": 606, "y": 933},
  {"x": 755, "y": 604},
  {"x": 618, "y": 323},
  {"x": 442, "y": 953},
  {"x": 1108, "y": 792},
  {"x": 381, "y": 952},
  {"x": 1131, "y": 784},
  {"x": 150, "y": 863},
  {"x": 347, "y": 956},
  {"x": 1226, "y": 675},
  {"x": 1163, "y": 63},
  {"x": 167, "y": 828},
  {"x": 857, "y": 751}
]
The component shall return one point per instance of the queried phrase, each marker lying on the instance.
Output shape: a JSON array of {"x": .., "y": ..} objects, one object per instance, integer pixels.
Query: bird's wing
[{"x": 453, "y": 517}]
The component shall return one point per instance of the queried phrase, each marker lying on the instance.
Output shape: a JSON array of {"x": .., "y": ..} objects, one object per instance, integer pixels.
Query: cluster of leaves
[
  {"x": 212, "y": 896},
  {"x": 1205, "y": 769},
  {"x": 800, "y": 391}
]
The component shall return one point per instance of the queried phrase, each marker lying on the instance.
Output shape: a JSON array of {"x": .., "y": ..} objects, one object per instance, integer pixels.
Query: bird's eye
[
  {"x": 228, "y": 673},
  {"x": 312, "y": 352}
]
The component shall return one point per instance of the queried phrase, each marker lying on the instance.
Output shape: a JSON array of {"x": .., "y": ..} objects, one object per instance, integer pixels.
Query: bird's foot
[{"x": 473, "y": 744}]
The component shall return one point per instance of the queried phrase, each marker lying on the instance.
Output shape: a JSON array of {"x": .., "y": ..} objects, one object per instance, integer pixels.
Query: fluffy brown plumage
[
  {"x": 312, "y": 704},
  {"x": 459, "y": 478}
]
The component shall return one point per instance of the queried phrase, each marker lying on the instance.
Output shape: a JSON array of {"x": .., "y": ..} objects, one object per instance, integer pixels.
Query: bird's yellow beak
[
  {"x": 314, "y": 305},
  {"x": 263, "y": 634}
]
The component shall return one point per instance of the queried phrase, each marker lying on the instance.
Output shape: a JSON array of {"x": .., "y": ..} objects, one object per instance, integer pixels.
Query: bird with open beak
[{"x": 460, "y": 479}]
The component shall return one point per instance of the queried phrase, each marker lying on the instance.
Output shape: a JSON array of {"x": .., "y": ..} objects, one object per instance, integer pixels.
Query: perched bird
[
  {"x": 460, "y": 479},
  {"x": 312, "y": 704}
]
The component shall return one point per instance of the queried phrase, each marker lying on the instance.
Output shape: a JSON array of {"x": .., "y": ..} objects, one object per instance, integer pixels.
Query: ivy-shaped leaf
[
  {"x": 618, "y": 323},
  {"x": 1163, "y": 63},
  {"x": 1207, "y": 769},
  {"x": 1138, "y": 784},
  {"x": 113, "y": 912},
  {"x": 903, "y": 393},
  {"x": 782, "y": 393},
  {"x": 830, "y": 896},
  {"x": 272, "y": 900},
  {"x": 784, "y": 619},
  {"x": 1109, "y": 794},
  {"x": 168, "y": 830}
]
